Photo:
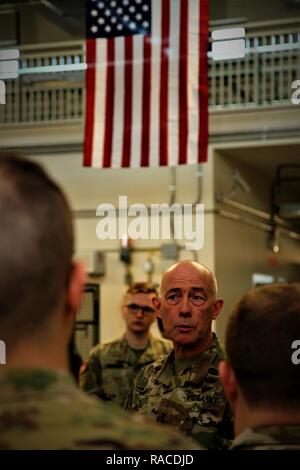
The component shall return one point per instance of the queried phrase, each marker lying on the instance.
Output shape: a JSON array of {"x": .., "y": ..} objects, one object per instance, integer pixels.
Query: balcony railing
[{"x": 50, "y": 87}]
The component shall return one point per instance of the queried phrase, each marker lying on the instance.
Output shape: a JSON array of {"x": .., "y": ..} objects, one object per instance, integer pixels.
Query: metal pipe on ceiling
[{"x": 252, "y": 211}]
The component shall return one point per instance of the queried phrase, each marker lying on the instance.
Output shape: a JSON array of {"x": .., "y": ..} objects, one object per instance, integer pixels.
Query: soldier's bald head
[{"x": 188, "y": 269}]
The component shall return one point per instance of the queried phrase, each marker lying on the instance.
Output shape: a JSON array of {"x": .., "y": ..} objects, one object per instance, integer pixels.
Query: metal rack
[{"x": 87, "y": 324}]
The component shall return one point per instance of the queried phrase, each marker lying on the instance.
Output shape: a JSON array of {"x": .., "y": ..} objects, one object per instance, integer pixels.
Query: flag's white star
[
  {"x": 94, "y": 13},
  {"x": 107, "y": 28},
  {"x": 94, "y": 29}
]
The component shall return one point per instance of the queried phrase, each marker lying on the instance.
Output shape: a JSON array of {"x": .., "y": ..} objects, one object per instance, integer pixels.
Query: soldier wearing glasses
[
  {"x": 183, "y": 388},
  {"x": 112, "y": 367}
]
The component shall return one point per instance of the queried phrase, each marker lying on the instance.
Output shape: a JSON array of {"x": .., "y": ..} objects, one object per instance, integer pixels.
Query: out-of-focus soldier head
[
  {"x": 137, "y": 310},
  {"x": 261, "y": 377},
  {"x": 40, "y": 285}
]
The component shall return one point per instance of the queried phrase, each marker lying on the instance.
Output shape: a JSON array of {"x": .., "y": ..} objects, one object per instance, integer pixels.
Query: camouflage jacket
[
  {"x": 112, "y": 367},
  {"x": 268, "y": 438},
  {"x": 44, "y": 409},
  {"x": 193, "y": 401}
]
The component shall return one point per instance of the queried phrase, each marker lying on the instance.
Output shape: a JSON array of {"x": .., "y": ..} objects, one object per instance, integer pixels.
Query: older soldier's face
[
  {"x": 138, "y": 312},
  {"x": 188, "y": 304}
]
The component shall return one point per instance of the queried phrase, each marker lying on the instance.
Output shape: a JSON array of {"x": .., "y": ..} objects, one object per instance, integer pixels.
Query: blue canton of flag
[{"x": 112, "y": 18}]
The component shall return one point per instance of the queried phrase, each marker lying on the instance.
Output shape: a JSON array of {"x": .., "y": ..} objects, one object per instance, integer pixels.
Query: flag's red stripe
[
  {"x": 109, "y": 103},
  {"x": 183, "y": 83},
  {"x": 90, "y": 100},
  {"x": 127, "y": 101},
  {"x": 203, "y": 82},
  {"x": 164, "y": 80},
  {"x": 145, "y": 148}
]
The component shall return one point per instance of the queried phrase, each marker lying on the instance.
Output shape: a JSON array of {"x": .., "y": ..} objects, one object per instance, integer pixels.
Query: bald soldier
[
  {"x": 112, "y": 366},
  {"x": 183, "y": 388},
  {"x": 40, "y": 290},
  {"x": 261, "y": 375}
]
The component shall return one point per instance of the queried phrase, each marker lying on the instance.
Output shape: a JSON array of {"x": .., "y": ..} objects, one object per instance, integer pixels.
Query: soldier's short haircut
[
  {"x": 259, "y": 338},
  {"x": 36, "y": 247},
  {"x": 142, "y": 288}
]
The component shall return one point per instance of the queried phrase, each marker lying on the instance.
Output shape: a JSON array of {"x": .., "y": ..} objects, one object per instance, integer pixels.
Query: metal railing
[
  {"x": 265, "y": 76},
  {"x": 50, "y": 87}
]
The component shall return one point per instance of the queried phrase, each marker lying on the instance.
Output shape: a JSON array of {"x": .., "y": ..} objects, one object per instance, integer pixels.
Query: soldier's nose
[
  {"x": 139, "y": 314},
  {"x": 185, "y": 306},
  {"x": 185, "y": 313}
]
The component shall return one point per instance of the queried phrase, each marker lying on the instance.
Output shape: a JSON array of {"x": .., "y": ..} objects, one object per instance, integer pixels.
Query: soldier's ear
[
  {"x": 217, "y": 308},
  {"x": 229, "y": 382},
  {"x": 75, "y": 287},
  {"x": 156, "y": 304}
]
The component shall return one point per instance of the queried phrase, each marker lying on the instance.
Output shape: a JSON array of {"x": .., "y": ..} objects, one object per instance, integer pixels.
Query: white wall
[{"x": 242, "y": 250}]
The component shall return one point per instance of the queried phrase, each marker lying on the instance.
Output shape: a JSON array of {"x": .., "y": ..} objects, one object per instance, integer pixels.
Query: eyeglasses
[{"x": 135, "y": 308}]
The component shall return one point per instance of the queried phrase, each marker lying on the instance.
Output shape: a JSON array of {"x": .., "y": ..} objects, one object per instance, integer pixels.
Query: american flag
[{"x": 146, "y": 83}]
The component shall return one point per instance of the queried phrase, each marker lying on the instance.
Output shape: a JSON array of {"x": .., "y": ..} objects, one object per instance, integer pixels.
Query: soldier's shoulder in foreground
[
  {"x": 45, "y": 410},
  {"x": 268, "y": 438}
]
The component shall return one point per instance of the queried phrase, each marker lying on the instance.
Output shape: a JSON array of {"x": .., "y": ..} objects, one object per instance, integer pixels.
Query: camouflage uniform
[
  {"x": 268, "y": 438},
  {"x": 192, "y": 400},
  {"x": 43, "y": 409},
  {"x": 112, "y": 367}
]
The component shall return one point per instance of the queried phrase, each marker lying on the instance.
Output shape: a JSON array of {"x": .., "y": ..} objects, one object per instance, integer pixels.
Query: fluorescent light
[
  {"x": 222, "y": 50},
  {"x": 9, "y": 54},
  {"x": 9, "y": 67},
  {"x": 228, "y": 33}
]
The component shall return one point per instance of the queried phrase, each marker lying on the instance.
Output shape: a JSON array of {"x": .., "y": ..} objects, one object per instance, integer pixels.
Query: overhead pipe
[{"x": 251, "y": 210}]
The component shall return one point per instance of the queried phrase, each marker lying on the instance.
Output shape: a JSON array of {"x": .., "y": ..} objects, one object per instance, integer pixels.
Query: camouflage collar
[
  {"x": 145, "y": 358},
  {"x": 268, "y": 436},
  {"x": 27, "y": 382},
  {"x": 196, "y": 372}
]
